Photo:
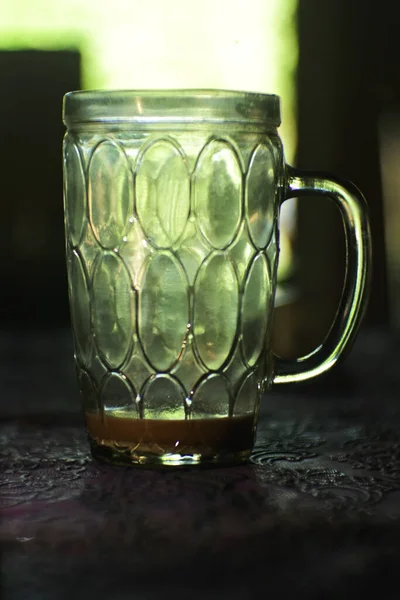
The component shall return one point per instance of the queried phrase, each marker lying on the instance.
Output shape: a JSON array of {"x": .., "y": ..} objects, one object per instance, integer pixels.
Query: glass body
[{"x": 171, "y": 212}]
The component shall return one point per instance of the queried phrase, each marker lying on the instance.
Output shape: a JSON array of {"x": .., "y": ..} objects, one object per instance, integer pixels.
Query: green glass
[{"x": 172, "y": 205}]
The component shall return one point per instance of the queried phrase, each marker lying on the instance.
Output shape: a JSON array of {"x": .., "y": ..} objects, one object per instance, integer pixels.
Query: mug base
[
  {"x": 125, "y": 455},
  {"x": 126, "y": 440}
]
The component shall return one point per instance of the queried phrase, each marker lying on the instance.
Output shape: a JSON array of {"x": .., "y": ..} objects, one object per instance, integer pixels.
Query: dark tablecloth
[{"x": 315, "y": 514}]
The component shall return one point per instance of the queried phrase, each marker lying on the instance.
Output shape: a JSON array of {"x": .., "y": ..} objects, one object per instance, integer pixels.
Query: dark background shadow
[{"x": 32, "y": 269}]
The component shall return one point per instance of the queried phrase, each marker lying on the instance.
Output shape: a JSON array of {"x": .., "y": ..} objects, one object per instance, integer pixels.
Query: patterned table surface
[{"x": 315, "y": 514}]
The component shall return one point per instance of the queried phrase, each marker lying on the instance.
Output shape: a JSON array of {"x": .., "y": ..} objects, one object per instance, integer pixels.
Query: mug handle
[{"x": 354, "y": 211}]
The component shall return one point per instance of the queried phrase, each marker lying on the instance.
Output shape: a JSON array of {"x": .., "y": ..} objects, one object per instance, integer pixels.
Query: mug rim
[{"x": 175, "y": 106}]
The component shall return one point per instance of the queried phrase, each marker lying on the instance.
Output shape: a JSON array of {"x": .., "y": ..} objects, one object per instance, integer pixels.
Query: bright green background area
[{"x": 233, "y": 44}]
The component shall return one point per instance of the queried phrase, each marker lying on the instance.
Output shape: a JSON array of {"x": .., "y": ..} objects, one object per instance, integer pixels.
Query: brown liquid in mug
[{"x": 194, "y": 436}]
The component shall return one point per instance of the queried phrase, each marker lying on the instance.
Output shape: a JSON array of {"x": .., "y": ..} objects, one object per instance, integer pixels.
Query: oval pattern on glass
[
  {"x": 113, "y": 309},
  {"x": 218, "y": 193},
  {"x": 216, "y": 306},
  {"x": 80, "y": 307},
  {"x": 88, "y": 392},
  {"x": 189, "y": 369},
  {"x": 211, "y": 398},
  {"x": 241, "y": 253},
  {"x": 191, "y": 250},
  {"x": 248, "y": 396},
  {"x": 260, "y": 195},
  {"x": 256, "y": 307},
  {"x": 75, "y": 192},
  {"x": 162, "y": 193},
  {"x": 118, "y": 395},
  {"x": 163, "y": 310},
  {"x": 110, "y": 194},
  {"x": 163, "y": 398}
]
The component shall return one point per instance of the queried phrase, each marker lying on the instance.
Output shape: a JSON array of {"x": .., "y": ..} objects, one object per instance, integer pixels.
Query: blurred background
[{"x": 335, "y": 64}]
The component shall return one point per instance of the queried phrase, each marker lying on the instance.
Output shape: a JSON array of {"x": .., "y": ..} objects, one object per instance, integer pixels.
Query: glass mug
[{"x": 172, "y": 238}]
